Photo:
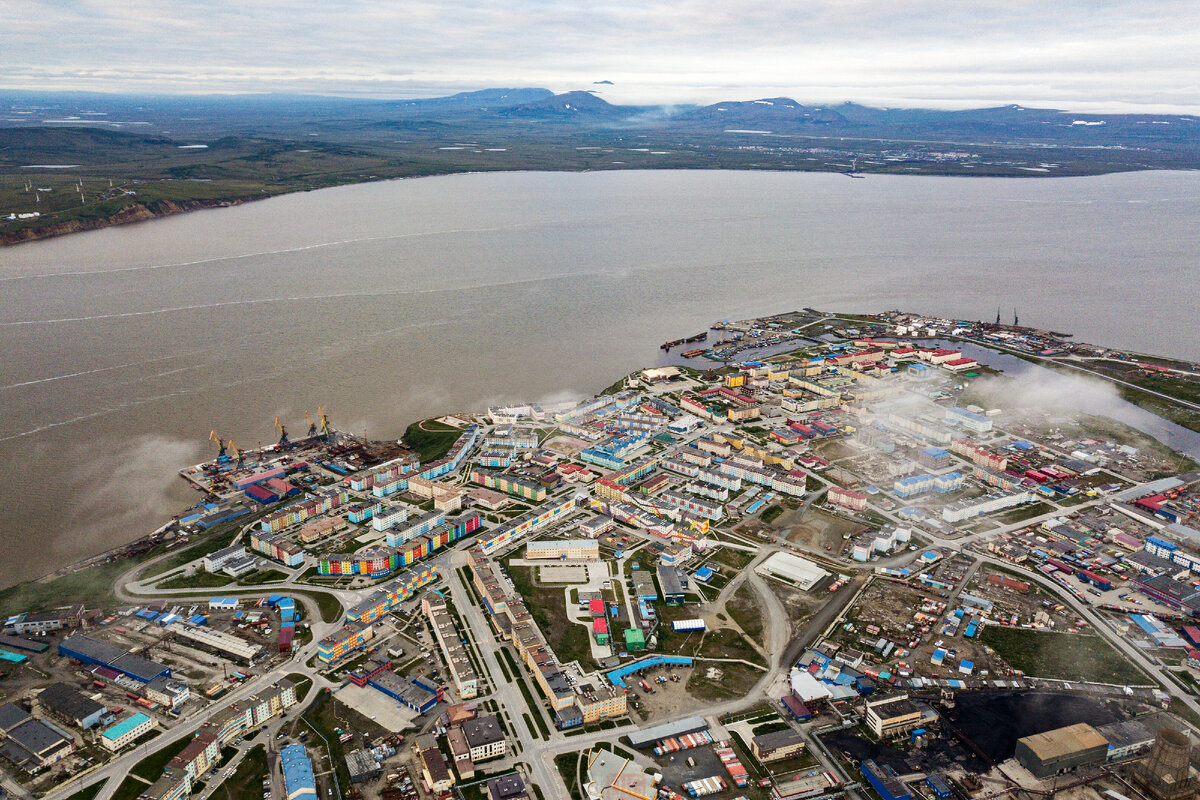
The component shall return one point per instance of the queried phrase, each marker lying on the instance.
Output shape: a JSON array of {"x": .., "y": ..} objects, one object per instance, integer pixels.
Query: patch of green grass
[
  {"x": 302, "y": 682},
  {"x": 547, "y": 605},
  {"x": 431, "y": 440},
  {"x": 771, "y": 514},
  {"x": 92, "y": 586},
  {"x": 246, "y": 782},
  {"x": 319, "y": 718},
  {"x": 1069, "y": 656},
  {"x": 568, "y": 767},
  {"x": 769, "y": 727},
  {"x": 151, "y": 767},
  {"x": 746, "y": 611},
  {"x": 262, "y": 576},
  {"x": 735, "y": 681},
  {"x": 198, "y": 580},
  {"x": 221, "y": 536},
  {"x": 89, "y": 792},
  {"x": 130, "y": 788},
  {"x": 329, "y": 606}
]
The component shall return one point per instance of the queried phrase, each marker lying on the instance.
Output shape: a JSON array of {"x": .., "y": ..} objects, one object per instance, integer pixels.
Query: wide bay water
[{"x": 386, "y": 302}]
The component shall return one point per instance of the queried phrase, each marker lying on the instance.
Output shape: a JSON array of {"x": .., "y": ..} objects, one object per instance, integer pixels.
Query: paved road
[{"x": 504, "y": 692}]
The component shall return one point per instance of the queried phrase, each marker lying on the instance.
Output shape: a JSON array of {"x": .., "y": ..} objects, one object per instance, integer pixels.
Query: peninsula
[{"x": 829, "y": 555}]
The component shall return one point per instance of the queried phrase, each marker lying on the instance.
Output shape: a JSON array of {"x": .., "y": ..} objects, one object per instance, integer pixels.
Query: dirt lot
[
  {"x": 669, "y": 699},
  {"x": 721, "y": 680},
  {"x": 816, "y": 529},
  {"x": 800, "y": 606}
]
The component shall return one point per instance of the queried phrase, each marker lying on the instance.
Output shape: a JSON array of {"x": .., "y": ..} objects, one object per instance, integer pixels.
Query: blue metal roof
[{"x": 298, "y": 777}]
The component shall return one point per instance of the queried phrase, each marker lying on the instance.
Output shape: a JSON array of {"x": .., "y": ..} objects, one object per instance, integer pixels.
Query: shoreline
[
  {"x": 134, "y": 548},
  {"x": 128, "y": 215},
  {"x": 158, "y": 209}
]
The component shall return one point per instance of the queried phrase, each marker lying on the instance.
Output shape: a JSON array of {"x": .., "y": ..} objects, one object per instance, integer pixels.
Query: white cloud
[{"x": 1079, "y": 55}]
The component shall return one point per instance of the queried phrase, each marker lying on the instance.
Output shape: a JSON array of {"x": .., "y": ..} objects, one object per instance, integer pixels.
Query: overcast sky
[{"x": 1078, "y": 54}]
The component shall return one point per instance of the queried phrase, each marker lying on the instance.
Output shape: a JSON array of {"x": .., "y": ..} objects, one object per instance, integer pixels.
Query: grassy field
[
  {"x": 246, "y": 782},
  {"x": 568, "y": 768},
  {"x": 198, "y": 580},
  {"x": 745, "y": 609},
  {"x": 431, "y": 440},
  {"x": 319, "y": 717},
  {"x": 1069, "y": 656},
  {"x": 93, "y": 586},
  {"x": 148, "y": 770},
  {"x": 771, "y": 514},
  {"x": 735, "y": 680},
  {"x": 263, "y": 576}
]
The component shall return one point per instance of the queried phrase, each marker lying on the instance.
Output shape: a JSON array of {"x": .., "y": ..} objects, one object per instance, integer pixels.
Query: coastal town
[{"x": 808, "y": 555}]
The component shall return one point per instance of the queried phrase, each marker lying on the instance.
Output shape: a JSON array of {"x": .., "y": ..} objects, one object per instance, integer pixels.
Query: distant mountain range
[
  {"x": 134, "y": 156},
  {"x": 781, "y": 115}
]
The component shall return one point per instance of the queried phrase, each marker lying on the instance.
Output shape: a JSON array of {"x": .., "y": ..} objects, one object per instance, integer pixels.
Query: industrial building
[
  {"x": 1060, "y": 750},
  {"x": 1130, "y": 736},
  {"x": 1165, "y": 774},
  {"x": 793, "y": 569},
  {"x": 43, "y": 621},
  {"x": 71, "y": 706},
  {"x": 892, "y": 716},
  {"x": 885, "y": 781},
  {"x": 415, "y": 693},
  {"x": 227, "y": 645},
  {"x": 87, "y": 650},
  {"x": 31, "y": 744},
  {"x": 672, "y": 586},
  {"x": 167, "y": 692},
  {"x": 362, "y": 766}
]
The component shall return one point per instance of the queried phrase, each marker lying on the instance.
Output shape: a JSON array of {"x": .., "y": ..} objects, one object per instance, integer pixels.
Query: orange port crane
[
  {"x": 239, "y": 452},
  {"x": 283, "y": 437},
  {"x": 312, "y": 426},
  {"x": 212, "y": 437}
]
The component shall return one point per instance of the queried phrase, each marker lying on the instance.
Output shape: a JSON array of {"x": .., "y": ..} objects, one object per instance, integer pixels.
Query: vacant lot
[
  {"x": 1070, "y": 656},
  {"x": 710, "y": 680},
  {"x": 815, "y": 529},
  {"x": 746, "y": 610}
]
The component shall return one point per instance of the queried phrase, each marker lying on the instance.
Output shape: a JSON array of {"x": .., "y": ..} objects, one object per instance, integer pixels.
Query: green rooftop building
[{"x": 635, "y": 639}]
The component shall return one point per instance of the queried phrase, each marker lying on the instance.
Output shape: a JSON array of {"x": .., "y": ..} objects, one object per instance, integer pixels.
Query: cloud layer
[{"x": 1074, "y": 54}]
